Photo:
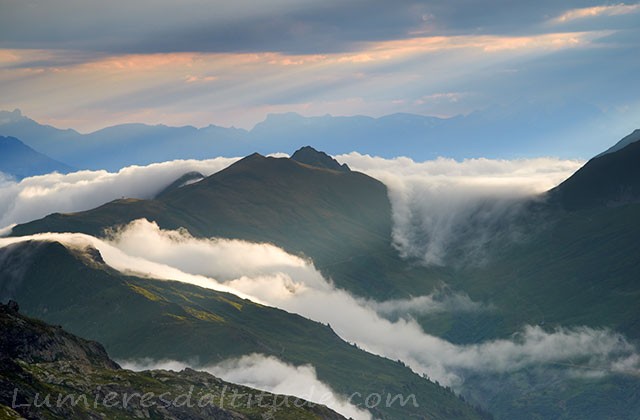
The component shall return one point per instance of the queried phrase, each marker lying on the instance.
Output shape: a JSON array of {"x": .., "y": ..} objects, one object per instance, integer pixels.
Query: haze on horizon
[{"x": 87, "y": 65}]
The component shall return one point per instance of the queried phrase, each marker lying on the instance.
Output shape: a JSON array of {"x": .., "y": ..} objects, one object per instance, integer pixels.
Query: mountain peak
[
  {"x": 631, "y": 138},
  {"x": 310, "y": 156}
]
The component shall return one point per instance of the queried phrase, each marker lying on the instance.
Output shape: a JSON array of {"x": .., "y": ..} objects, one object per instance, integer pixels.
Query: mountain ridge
[
  {"x": 609, "y": 179},
  {"x": 482, "y": 133}
]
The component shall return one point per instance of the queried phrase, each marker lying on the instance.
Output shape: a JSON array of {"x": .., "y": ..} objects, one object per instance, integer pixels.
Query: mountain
[
  {"x": 310, "y": 156},
  {"x": 631, "y": 138},
  {"x": 568, "y": 266},
  {"x": 138, "y": 318},
  {"x": 115, "y": 147},
  {"x": 576, "y": 263},
  {"x": 40, "y": 360},
  {"x": 520, "y": 129},
  {"x": 21, "y": 161},
  {"x": 342, "y": 220},
  {"x": 186, "y": 179},
  {"x": 610, "y": 179}
]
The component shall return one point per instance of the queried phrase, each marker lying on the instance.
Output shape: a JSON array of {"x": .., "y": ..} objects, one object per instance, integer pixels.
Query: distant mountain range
[
  {"x": 21, "y": 161},
  {"x": 498, "y": 132}
]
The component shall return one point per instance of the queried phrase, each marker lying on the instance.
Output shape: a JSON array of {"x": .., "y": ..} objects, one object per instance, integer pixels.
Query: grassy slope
[
  {"x": 136, "y": 318},
  {"x": 341, "y": 220},
  {"x": 43, "y": 359}
]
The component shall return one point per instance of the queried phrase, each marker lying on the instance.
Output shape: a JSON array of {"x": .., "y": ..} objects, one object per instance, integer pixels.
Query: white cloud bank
[
  {"x": 38, "y": 196},
  {"x": 435, "y": 203},
  {"x": 429, "y": 200},
  {"x": 293, "y": 284},
  {"x": 266, "y": 373}
]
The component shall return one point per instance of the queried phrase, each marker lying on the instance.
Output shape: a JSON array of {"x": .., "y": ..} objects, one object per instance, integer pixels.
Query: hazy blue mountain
[
  {"x": 115, "y": 147},
  {"x": 520, "y": 130},
  {"x": 21, "y": 161}
]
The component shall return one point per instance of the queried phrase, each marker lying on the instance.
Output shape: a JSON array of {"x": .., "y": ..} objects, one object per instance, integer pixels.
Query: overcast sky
[{"x": 87, "y": 64}]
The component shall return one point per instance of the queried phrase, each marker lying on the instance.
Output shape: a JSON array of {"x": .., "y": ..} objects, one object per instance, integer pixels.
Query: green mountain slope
[
  {"x": 42, "y": 365},
  {"x": 342, "y": 220},
  {"x": 580, "y": 265},
  {"x": 140, "y": 318}
]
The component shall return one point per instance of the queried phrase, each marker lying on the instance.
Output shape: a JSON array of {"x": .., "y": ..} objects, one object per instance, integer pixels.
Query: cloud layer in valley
[
  {"x": 38, "y": 196},
  {"x": 267, "y": 373},
  {"x": 439, "y": 202},
  {"x": 432, "y": 201},
  {"x": 293, "y": 284}
]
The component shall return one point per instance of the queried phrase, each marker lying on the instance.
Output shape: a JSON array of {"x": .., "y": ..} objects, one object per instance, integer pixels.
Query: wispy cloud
[
  {"x": 435, "y": 203},
  {"x": 591, "y": 12}
]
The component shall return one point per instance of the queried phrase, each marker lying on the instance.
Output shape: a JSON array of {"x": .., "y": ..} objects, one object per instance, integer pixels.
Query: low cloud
[
  {"x": 266, "y": 373},
  {"x": 6, "y": 230},
  {"x": 437, "y": 205},
  {"x": 442, "y": 204},
  {"x": 437, "y": 302},
  {"x": 38, "y": 196},
  {"x": 293, "y": 284}
]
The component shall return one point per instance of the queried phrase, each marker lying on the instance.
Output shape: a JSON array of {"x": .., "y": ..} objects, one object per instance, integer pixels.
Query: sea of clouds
[
  {"x": 428, "y": 199},
  {"x": 293, "y": 284}
]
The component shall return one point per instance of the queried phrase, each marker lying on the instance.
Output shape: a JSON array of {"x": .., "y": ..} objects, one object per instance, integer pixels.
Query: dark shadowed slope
[
  {"x": 184, "y": 180},
  {"x": 579, "y": 265},
  {"x": 627, "y": 140},
  {"x": 611, "y": 179}
]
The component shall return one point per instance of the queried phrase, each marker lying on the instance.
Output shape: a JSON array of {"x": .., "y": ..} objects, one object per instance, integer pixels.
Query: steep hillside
[
  {"x": 43, "y": 363},
  {"x": 611, "y": 179},
  {"x": 342, "y": 220},
  {"x": 144, "y": 318}
]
